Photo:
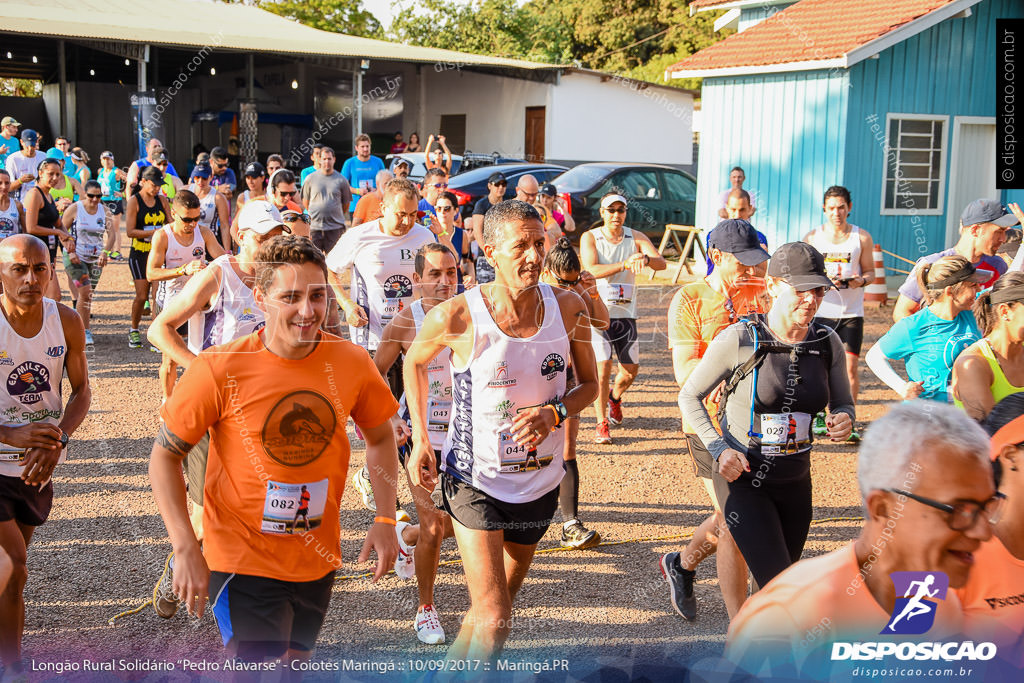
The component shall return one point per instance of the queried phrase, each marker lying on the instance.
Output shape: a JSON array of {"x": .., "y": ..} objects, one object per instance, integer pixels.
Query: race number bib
[
  {"x": 620, "y": 294},
  {"x": 516, "y": 458},
  {"x": 293, "y": 508},
  {"x": 439, "y": 412},
  {"x": 392, "y": 307},
  {"x": 785, "y": 433},
  {"x": 9, "y": 454}
]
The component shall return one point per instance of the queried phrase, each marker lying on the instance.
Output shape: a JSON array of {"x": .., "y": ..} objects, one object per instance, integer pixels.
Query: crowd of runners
[{"x": 471, "y": 350}]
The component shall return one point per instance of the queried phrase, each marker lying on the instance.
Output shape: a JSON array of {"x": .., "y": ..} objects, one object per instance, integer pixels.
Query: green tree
[{"x": 337, "y": 16}]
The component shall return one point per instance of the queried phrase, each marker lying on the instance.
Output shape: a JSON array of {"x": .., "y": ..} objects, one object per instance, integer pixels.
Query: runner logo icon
[{"x": 917, "y": 596}]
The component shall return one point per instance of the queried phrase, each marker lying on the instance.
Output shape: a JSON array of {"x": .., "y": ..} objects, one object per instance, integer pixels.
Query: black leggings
[{"x": 769, "y": 520}]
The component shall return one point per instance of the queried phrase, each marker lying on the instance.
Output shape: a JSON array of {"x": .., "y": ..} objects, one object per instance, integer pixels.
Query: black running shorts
[
  {"x": 523, "y": 523},
  {"x": 260, "y": 617},
  {"x": 29, "y": 505},
  {"x": 137, "y": 263},
  {"x": 622, "y": 336},
  {"x": 850, "y": 331}
]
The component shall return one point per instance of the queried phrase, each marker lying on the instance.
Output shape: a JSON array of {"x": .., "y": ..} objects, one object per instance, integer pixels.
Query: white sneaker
[
  {"x": 405, "y": 563},
  {"x": 428, "y": 626},
  {"x": 361, "y": 480},
  {"x": 88, "y": 338}
]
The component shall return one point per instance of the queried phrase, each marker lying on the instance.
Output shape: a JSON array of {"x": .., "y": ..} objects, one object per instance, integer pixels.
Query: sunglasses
[
  {"x": 183, "y": 219},
  {"x": 285, "y": 193},
  {"x": 93, "y": 196},
  {"x": 961, "y": 514},
  {"x": 568, "y": 284},
  {"x": 622, "y": 210}
]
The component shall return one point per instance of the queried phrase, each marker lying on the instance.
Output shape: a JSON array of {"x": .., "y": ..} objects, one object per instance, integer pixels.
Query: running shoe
[
  {"x": 854, "y": 437},
  {"x": 405, "y": 563},
  {"x": 88, "y": 338},
  {"x": 428, "y": 626},
  {"x": 819, "y": 428},
  {"x": 402, "y": 516},
  {"x": 680, "y": 582},
  {"x": 361, "y": 480},
  {"x": 154, "y": 349},
  {"x": 601, "y": 434},
  {"x": 134, "y": 340},
  {"x": 614, "y": 410},
  {"x": 579, "y": 537},
  {"x": 165, "y": 602},
  {"x": 145, "y": 307}
]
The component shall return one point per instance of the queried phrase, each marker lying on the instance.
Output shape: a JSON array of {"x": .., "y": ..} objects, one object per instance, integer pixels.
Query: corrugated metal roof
[
  {"x": 810, "y": 34},
  {"x": 182, "y": 23}
]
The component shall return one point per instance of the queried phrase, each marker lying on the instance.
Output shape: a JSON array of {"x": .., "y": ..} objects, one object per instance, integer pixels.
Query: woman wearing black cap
[
  {"x": 993, "y": 367},
  {"x": 780, "y": 370}
]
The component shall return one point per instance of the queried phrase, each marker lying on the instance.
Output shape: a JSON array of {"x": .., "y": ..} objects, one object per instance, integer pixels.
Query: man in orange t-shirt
[
  {"x": 994, "y": 595},
  {"x": 698, "y": 312},
  {"x": 370, "y": 206},
  {"x": 917, "y": 463},
  {"x": 276, "y": 403}
]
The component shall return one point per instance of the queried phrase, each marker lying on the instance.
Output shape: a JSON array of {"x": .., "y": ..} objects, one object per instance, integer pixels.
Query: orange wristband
[
  {"x": 385, "y": 520},
  {"x": 558, "y": 418}
]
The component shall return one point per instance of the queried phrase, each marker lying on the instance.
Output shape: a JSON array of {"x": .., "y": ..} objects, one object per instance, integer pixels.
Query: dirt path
[{"x": 104, "y": 545}]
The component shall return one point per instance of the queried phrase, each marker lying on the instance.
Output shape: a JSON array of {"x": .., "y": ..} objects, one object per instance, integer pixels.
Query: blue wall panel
[
  {"x": 947, "y": 70},
  {"x": 788, "y": 132}
]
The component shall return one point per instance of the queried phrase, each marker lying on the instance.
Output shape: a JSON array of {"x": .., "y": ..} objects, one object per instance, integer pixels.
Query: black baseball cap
[
  {"x": 152, "y": 173},
  {"x": 496, "y": 178},
  {"x": 255, "y": 170},
  {"x": 801, "y": 265},
  {"x": 987, "y": 211},
  {"x": 739, "y": 238},
  {"x": 548, "y": 190}
]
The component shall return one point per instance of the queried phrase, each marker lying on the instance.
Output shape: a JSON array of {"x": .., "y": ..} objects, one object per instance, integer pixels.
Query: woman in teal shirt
[{"x": 930, "y": 340}]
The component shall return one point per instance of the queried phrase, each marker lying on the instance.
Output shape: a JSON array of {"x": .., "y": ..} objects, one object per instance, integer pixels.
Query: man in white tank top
[
  {"x": 511, "y": 343},
  {"x": 435, "y": 279},
  {"x": 40, "y": 340},
  {"x": 615, "y": 255},
  {"x": 849, "y": 262},
  {"x": 95, "y": 233},
  {"x": 219, "y": 306},
  {"x": 179, "y": 252}
]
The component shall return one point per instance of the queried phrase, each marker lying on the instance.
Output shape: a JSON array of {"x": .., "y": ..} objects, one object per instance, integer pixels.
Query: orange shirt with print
[
  {"x": 813, "y": 603},
  {"x": 368, "y": 208},
  {"x": 698, "y": 314},
  {"x": 993, "y": 596},
  {"x": 276, "y": 424}
]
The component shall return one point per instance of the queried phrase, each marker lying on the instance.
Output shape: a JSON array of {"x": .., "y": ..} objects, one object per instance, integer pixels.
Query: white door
[{"x": 972, "y": 170}]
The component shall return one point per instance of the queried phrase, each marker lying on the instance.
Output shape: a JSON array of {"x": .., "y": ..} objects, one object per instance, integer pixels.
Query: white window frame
[{"x": 943, "y": 163}]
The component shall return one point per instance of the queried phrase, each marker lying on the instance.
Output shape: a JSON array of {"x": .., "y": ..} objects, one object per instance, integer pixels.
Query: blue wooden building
[{"x": 894, "y": 99}]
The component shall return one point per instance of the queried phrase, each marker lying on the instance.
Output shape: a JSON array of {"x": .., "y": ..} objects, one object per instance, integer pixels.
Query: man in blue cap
[
  {"x": 699, "y": 311},
  {"x": 23, "y": 165},
  {"x": 983, "y": 227}
]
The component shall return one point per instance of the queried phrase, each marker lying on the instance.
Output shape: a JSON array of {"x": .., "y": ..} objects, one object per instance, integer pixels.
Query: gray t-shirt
[
  {"x": 732, "y": 347},
  {"x": 327, "y": 197}
]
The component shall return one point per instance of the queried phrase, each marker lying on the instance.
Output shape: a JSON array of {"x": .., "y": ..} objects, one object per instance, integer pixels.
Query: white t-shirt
[
  {"x": 382, "y": 267},
  {"x": 18, "y": 165},
  {"x": 843, "y": 261}
]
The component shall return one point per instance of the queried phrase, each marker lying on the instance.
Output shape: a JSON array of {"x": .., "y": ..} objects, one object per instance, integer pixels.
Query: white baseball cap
[
  {"x": 611, "y": 199},
  {"x": 261, "y": 217}
]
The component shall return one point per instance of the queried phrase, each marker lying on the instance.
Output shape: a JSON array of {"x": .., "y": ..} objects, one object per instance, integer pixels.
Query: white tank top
[
  {"x": 439, "y": 382},
  {"x": 842, "y": 260},
  {"x": 10, "y": 221},
  {"x": 619, "y": 290},
  {"x": 232, "y": 314},
  {"x": 32, "y": 370},
  {"x": 503, "y": 376},
  {"x": 89, "y": 231},
  {"x": 178, "y": 255},
  {"x": 207, "y": 208}
]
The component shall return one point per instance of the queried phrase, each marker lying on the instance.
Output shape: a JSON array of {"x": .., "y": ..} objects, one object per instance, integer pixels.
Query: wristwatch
[
  {"x": 560, "y": 410},
  {"x": 64, "y": 439}
]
